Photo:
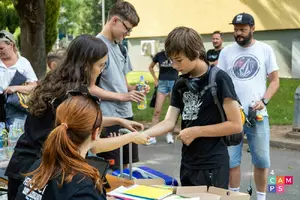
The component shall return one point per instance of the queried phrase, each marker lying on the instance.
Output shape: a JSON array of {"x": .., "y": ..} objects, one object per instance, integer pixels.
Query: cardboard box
[
  {"x": 212, "y": 194},
  {"x": 155, "y": 181}
]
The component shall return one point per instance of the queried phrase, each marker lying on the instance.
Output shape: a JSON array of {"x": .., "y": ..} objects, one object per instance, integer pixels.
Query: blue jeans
[
  {"x": 165, "y": 86},
  {"x": 259, "y": 143}
]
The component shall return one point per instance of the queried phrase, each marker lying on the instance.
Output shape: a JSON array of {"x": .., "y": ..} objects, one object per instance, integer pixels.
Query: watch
[{"x": 265, "y": 101}]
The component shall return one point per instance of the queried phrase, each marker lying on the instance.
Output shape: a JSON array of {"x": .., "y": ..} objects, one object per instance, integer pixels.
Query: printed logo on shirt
[
  {"x": 213, "y": 56},
  {"x": 192, "y": 105},
  {"x": 34, "y": 194},
  {"x": 166, "y": 63},
  {"x": 245, "y": 67}
]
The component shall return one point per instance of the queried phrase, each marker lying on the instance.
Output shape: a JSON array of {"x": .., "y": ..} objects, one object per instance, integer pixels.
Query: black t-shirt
[
  {"x": 80, "y": 187},
  {"x": 29, "y": 146},
  {"x": 166, "y": 71},
  {"x": 213, "y": 55},
  {"x": 203, "y": 152}
]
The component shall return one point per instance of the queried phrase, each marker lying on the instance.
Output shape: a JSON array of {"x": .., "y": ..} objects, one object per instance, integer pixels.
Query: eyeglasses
[
  {"x": 2, "y": 35},
  {"x": 80, "y": 92},
  {"x": 104, "y": 67},
  {"x": 129, "y": 30}
]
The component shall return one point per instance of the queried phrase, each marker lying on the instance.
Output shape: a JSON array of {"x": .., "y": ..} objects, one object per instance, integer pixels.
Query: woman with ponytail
[
  {"x": 62, "y": 172},
  {"x": 84, "y": 61}
]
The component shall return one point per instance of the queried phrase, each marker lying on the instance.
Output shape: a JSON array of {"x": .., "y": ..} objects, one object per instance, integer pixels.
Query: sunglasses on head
[
  {"x": 189, "y": 84},
  {"x": 2, "y": 35},
  {"x": 71, "y": 93}
]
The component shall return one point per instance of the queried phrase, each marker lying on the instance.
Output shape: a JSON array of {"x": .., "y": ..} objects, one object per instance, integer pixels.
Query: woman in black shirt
[
  {"x": 63, "y": 172},
  {"x": 85, "y": 59}
]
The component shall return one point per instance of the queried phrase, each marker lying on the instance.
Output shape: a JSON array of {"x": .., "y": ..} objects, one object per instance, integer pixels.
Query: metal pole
[
  {"x": 103, "y": 13},
  {"x": 130, "y": 161},
  {"x": 296, "y": 122}
]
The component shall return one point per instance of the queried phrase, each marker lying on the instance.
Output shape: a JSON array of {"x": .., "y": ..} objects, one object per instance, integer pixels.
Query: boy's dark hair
[
  {"x": 126, "y": 11},
  {"x": 218, "y": 32},
  {"x": 185, "y": 40}
]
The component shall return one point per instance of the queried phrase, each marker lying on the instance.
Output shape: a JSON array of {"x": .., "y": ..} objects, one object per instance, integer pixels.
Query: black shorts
[
  {"x": 218, "y": 177},
  {"x": 115, "y": 154}
]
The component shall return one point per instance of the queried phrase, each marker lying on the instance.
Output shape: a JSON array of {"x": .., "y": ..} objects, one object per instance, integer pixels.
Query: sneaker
[
  {"x": 169, "y": 138},
  {"x": 152, "y": 141}
]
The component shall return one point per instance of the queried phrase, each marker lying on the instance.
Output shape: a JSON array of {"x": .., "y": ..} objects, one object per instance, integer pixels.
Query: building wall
[
  {"x": 159, "y": 17},
  {"x": 280, "y": 40}
]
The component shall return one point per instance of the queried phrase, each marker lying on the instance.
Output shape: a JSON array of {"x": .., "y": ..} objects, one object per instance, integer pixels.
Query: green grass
[{"x": 280, "y": 108}]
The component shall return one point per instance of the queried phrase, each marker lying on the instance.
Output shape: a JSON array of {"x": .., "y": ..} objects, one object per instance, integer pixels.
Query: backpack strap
[
  {"x": 124, "y": 53},
  {"x": 212, "y": 84},
  {"x": 123, "y": 50}
]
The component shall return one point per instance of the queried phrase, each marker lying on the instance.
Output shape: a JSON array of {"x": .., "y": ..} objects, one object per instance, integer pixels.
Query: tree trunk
[{"x": 32, "y": 23}]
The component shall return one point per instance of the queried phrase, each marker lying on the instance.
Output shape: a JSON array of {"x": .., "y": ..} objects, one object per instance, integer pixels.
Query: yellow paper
[{"x": 148, "y": 192}]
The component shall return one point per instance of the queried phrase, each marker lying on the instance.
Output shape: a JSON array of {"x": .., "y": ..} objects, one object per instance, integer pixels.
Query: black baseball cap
[{"x": 243, "y": 18}]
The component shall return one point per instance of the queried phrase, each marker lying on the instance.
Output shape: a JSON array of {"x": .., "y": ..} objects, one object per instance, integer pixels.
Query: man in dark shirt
[
  {"x": 205, "y": 159},
  {"x": 213, "y": 54}
]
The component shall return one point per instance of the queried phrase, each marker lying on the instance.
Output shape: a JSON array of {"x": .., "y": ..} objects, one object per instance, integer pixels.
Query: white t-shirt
[
  {"x": 249, "y": 67},
  {"x": 7, "y": 73}
]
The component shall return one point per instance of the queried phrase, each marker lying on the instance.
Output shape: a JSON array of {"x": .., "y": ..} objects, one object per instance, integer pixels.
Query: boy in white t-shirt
[{"x": 249, "y": 62}]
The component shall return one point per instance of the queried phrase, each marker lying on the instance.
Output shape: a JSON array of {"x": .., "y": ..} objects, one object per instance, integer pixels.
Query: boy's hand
[
  {"x": 147, "y": 88},
  {"x": 133, "y": 96},
  {"x": 186, "y": 135},
  {"x": 140, "y": 138}
]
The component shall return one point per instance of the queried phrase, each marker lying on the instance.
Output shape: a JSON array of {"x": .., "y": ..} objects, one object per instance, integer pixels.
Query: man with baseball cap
[{"x": 249, "y": 63}]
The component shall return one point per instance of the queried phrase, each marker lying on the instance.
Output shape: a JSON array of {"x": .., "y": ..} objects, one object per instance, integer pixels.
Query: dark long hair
[
  {"x": 75, "y": 118},
  {"x": 75, "y": 71}
]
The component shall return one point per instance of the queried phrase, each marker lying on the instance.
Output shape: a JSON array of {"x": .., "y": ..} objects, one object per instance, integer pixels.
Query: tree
[
  {"x": 69, "y": 20},
  {"x": 32, "y": 23},
  {"x": 12, "y": 18},
  {"x": 9, "y": 17},
  {"x": 2, "y": 16},
  {"x": 52, "y": 15},
  {"x": 92, "y": 15}
]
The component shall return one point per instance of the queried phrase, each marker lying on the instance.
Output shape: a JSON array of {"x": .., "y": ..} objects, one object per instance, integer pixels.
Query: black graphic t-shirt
[
  {"x": 80, "y": 188},
  {"x": 213, "y": 55},
  {"x": 166, "y": 71},
  {"x": 203, "y": 152}
]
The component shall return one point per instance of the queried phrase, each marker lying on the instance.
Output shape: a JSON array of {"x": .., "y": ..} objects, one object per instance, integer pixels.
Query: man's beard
[
  {"x": 246, "y": 40},
  {"x": 217, "y": 46}
]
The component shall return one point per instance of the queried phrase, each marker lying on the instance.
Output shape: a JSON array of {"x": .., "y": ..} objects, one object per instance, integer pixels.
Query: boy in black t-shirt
[{"x": 205, "y": 159}]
